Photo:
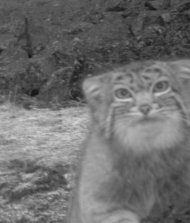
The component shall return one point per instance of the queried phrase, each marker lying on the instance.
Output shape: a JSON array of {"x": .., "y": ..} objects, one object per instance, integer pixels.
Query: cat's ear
[
  {"x": 93, "y": 90},
  {"x": 183, "y": 69}
]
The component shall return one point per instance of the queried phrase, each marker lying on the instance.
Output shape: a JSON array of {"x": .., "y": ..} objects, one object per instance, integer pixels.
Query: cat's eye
[
  {"x": 123, "y": 93},
  {"x": 161, "y": 86}
]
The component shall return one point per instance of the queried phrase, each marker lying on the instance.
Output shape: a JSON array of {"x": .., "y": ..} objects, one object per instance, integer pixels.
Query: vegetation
[{"x": 38, "y": 150}]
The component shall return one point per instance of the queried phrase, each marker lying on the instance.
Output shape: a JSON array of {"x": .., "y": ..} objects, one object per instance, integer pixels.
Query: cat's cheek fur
[{"x": 151, "y": 136}]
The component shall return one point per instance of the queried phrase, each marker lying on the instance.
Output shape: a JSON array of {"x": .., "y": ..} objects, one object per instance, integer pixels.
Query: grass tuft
[{"x": 38, "y": 149}]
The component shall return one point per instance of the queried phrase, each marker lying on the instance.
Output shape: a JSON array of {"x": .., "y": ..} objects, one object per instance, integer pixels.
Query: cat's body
[{"x": 136, "y": 162}]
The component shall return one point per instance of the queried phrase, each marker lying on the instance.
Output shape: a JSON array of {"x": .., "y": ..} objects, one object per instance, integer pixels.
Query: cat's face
[
  {"x": 144, "y": 96},
  {"x": 141, "y": 105}
]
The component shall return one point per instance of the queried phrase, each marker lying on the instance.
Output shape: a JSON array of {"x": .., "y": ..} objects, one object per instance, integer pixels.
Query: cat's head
[{"x": 143, "y": 104}]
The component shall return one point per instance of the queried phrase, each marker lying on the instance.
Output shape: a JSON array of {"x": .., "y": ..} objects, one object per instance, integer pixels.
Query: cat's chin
[
  {"x": 150, "y": 133},
  {"x": 148, "y": 120}
]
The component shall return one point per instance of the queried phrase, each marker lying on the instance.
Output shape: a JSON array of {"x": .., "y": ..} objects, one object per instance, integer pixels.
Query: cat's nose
[{"x": 145, "y": 108}]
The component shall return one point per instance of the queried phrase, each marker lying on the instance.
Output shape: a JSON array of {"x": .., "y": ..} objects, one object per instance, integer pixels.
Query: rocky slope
[{"x": 48, "y": 46}]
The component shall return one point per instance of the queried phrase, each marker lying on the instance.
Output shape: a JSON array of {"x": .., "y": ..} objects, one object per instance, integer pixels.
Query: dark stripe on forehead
[
  {"x": 128, "y": 79},
  {"x": 153, "y": 71},
  {"x": 139, "y": 76},
  {"x": 122, "y": 77},
  {"x": 151, "y": 74}
]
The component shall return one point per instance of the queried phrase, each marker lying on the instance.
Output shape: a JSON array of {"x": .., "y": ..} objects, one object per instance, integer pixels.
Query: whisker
[{"x": 185, "y": 119}]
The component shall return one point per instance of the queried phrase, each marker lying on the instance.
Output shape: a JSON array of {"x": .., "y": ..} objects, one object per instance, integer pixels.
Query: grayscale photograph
[{"x": 95, "y": 111}]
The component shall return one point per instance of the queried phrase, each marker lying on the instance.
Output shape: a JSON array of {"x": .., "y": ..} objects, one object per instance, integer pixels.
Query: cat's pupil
[
  {"x": 122, "y": 93},
  {"x": 161, "y": 86}
]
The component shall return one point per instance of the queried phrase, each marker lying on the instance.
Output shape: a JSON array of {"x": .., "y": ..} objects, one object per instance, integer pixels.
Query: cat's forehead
[{"x": 139, "y": 77}]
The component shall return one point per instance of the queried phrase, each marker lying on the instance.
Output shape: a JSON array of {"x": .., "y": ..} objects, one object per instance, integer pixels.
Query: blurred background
[{"x": 47, "y": 47}]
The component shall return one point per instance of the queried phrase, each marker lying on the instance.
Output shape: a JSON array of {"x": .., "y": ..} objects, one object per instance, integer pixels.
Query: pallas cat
[{"x": 136, "y": 159}]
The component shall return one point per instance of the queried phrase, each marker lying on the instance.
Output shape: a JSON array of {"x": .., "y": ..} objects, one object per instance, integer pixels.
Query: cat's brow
[
  {"x": 133, "y": 80},
  {"x": 155, "y": 72},
  {"x": 124, "y": 78}
]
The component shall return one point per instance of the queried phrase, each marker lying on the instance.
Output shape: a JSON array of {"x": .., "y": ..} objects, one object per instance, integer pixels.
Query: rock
[
  {"x": 166, "y": 17},
  {"x": 157, "y": 5}
]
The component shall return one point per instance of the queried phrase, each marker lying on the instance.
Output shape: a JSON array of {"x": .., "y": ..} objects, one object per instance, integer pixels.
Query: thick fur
[{"x": 132, "y": 170}]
